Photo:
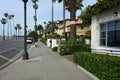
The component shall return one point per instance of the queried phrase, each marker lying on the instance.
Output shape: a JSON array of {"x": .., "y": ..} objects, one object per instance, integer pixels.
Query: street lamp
[
  {"x": 35, "y": 6},
  {"x": 3, "y": 21},
  {"x": 25, "y": 55}
]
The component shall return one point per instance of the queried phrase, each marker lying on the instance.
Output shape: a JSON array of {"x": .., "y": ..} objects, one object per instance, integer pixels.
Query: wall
[{"x": 54, "y": 42}]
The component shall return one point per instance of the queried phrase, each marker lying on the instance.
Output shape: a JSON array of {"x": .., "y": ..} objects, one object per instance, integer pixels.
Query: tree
[
  {"x": 33, "y": 34},
  {"x": 72, "y": 6},
  {"x": 16, "y": 31},
  {"x": 49, "y": 28},
  {"x": 86, "y": 16},
  {"x": 19, "y": 29}
]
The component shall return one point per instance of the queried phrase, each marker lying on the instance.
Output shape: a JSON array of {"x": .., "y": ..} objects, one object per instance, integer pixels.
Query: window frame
[{"x": 106, "y": 33}]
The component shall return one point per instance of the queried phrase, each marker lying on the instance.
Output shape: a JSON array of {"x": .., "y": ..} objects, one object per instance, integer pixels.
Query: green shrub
[
  {"x": 69, "y": 47},
  {"x": 55, "y": 49},
  {"x": 82, "y": 40},
  {"x": 105, "y": 67},
  {"x": 43, "y": 40}
]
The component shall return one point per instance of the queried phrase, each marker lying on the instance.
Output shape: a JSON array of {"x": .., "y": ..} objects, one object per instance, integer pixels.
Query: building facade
[
  {"x": 80, "y": 28},
  {"x": 105, "y": 32}
]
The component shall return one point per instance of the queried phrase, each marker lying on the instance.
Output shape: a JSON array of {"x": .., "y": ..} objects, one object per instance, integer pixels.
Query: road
[{"x": 9, "y": 49}]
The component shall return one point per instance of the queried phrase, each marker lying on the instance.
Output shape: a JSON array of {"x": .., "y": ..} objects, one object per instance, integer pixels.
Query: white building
[{"x": 105, "y": 32}]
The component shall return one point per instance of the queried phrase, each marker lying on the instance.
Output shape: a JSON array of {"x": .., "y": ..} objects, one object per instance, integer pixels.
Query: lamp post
[
  {"x": 35, "y": 6},
  {"x": 25, "y": 55},
  {"x": 3, "y": 21}
]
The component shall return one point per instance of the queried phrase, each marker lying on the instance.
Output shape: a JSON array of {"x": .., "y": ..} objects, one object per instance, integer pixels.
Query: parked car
[{"x": 29, "y": 40}]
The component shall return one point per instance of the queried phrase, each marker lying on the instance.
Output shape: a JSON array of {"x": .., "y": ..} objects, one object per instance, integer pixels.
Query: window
[{"x": 110, "y": 34}]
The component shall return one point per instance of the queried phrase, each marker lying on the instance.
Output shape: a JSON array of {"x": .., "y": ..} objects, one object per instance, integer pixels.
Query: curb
[{"x": 88, "y": 73}]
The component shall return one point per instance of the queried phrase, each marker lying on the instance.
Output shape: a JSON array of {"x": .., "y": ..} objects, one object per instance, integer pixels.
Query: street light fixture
[
  {"x": 25, "y": 55},
  {"x": 3, "y": 21}
]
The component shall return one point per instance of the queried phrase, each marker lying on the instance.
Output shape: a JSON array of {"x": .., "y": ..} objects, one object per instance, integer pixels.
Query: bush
[
  {"x": 105, "y": 67},
  {"x": 55, "y": 49},
  {"x": 69, "y": 47},
  {"x": 82, "y": 40},
  {"x": 43, "y": 40}
]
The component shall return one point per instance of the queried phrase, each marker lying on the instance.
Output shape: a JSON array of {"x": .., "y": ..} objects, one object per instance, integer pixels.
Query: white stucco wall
[
  {"x": 55, "y": 42},
  {"x": 95, "y": 28}
]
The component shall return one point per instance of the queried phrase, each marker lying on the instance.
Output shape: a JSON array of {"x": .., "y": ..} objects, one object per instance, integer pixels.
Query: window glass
[
  {"x": 118, "y": 25},
  {"x": 118, "y": 37},
  {"x": 110, "y": 34},
  {"x": 103, "y": 27},
  {"x": 111, "y": 26},
  {"x": 102, "y": 42},
  {"x": 103, "y": 35}
]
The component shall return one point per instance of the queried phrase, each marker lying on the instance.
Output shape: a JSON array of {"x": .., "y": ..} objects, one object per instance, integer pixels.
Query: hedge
[
  {"x": 105, "y": 67},
  {"x": 69, "y": 47},
  {"x": 54, "y": 49},
  {"x": 44, "y": 40}
]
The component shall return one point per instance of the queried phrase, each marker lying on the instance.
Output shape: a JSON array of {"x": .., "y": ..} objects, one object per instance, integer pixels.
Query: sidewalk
[{"x": 43, "y": 65}]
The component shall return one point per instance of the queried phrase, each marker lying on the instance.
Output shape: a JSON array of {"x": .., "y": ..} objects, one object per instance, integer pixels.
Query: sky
[{"x": 16, "y": 7}]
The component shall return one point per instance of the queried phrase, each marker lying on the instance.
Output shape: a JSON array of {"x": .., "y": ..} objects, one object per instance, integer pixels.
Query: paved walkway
[{"x": 43, "y": 65}]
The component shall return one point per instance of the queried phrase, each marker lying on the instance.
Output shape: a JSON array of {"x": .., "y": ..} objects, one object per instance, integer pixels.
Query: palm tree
[
  {"x": 3, "y": 21},
  {"x": 53, "y": 1},
  {"x": 16, "y": 31},
  {"x": 72, "y": 6},
  {"x": 51, "y": 26},
  {"x": 12, "y": 16},
  {"x": 19, "y": 28},
  {"x": 35, "y": 6},
  {"x": 6, "y": 15}
]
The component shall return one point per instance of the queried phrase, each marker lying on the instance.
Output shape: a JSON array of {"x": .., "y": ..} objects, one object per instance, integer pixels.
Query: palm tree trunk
[
  {"x": 64, "y": 23},
  {"x": 72, "y": 17},
  {"x": 52, "y": 14}
]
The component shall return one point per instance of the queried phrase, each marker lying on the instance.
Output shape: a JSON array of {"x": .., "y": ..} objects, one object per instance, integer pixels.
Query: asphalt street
[{"x": 9, "y": 49}]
